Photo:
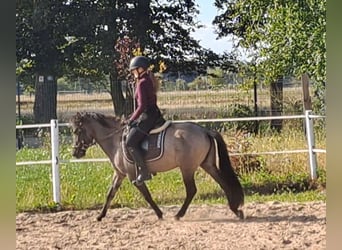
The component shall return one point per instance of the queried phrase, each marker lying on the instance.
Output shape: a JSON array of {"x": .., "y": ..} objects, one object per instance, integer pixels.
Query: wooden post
[
  {"x": 276, "y": 90},
  {"x": 307, "y": 105},
  {"x": 306, "y": 93},
  {"x": 256, "y": 126}
]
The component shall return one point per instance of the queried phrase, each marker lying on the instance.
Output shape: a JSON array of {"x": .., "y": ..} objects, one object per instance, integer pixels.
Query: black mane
[{"x": 107, "y": 121}]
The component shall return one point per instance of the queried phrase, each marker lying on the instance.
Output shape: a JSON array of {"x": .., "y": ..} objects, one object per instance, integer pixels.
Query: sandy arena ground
[{"x": 271, "y": 225}]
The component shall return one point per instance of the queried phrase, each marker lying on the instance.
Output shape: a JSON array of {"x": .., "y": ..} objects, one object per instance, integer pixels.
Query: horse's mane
[{"x": 108, "y": 121}]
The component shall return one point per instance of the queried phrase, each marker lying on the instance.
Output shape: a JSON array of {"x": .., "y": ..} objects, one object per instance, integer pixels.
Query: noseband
[{"x": 83, "y": 145}]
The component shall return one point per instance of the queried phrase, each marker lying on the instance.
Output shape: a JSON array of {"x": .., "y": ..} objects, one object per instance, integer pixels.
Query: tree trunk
[
  {"x": 306, "y": 92},
  {"x": 123, "y": 105},
  {"x": 276, "y": 91},
  {"x": 256, "y": 113},
  {"x": 45, "y": 103}
]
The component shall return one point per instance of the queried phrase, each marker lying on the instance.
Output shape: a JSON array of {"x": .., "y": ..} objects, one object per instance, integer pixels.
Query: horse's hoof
[
  {"x": 99, "y": 218},
  {"x": 177, "y": 218},
  {"x": 240, "y": 214}
]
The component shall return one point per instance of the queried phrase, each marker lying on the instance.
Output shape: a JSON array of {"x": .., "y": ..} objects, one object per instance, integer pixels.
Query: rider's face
[{"x": 135, "y": 73}]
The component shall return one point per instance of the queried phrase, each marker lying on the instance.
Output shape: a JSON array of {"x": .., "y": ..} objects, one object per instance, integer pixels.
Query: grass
[{"x": 84, "y": 186}]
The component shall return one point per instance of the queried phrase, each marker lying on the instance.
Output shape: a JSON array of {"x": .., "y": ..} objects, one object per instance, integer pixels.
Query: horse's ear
[{"x": 77, "y": 119}]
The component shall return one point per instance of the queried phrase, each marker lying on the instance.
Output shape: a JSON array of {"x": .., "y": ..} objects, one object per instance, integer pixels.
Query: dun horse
[{"x": 187, "y": 146}]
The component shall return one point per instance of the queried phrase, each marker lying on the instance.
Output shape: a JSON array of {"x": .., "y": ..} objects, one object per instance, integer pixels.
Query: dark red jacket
[{"x": 144, "y": 96}]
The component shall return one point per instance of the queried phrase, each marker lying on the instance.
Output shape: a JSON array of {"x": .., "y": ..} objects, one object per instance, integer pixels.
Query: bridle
[
  {"x": 83, "y": 145},
  {"x": 83, "y": 140}
]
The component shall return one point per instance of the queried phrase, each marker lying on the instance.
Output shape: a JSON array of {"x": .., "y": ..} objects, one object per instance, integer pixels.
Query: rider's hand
[
  {"x": 129, "y": 123},
  {"x": 125, "y": 122}
]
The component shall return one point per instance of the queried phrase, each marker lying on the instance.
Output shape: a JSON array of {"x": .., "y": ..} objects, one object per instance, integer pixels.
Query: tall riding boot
[{"x": 144, "y": 174}]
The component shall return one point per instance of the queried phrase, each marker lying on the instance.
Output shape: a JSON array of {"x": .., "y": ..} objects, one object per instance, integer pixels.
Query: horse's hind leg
[
  {"x": 191, "y": 190},
  {"x": 215, "y": 174},
  {"x": 116, "y": 183},
  {"x": 147, "y": 195}
]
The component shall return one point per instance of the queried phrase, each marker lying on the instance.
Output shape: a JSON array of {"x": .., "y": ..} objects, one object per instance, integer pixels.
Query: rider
[{"x": 145, "y": 117}]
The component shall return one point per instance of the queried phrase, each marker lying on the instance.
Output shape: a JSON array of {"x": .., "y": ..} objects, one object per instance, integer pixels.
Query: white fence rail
[{"x": 55, "y": 161}]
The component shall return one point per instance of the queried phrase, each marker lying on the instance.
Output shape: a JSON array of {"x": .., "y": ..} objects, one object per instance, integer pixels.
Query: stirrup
[{"x": 139, "y": 181}]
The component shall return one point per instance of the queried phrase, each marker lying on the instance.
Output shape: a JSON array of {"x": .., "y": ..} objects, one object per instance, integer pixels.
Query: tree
[
  {"x": 40, "y": 32},
  {"x": 80, "y": 38},
  {"x": 161, "y": 30},
  {"x": 286, "y": 37},
  {"x": 216, "y": 78}
]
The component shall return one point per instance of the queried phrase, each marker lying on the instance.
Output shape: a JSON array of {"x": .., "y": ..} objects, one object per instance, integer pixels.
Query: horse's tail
[{"x": 235, "y": 193}]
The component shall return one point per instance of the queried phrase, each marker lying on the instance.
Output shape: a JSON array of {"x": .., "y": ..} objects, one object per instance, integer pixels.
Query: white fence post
[
  {"x": 311, "y": 144},
  {"x": 55, "y": 161}
]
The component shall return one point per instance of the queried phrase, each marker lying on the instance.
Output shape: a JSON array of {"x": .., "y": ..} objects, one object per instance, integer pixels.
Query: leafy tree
[
  {"x": 200, "y": 82},
  {"x": 216, "y": 77},
  {"x": 158, "y": 29},
  {"x": 284, "y": 37},
  {"x": 40, "y": 33},
  {"x": 80, "y": 38}
]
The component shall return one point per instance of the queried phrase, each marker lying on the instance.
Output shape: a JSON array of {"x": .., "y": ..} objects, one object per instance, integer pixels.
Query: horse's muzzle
[{"x": 78, "y": 153}]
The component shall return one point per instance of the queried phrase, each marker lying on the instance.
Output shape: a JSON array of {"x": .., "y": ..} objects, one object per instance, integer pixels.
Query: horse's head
[{"x": 83, "y": 139}]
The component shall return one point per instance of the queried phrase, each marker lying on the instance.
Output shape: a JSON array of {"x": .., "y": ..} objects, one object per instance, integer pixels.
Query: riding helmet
[{"x": 138, "y": 61}]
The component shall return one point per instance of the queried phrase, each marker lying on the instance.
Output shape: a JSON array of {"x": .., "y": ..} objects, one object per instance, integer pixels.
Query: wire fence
[{"x": 176, "y": 103}]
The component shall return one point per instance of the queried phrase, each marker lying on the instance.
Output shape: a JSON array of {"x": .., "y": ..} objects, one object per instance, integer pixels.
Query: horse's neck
[{"x": 109, "y": 142}]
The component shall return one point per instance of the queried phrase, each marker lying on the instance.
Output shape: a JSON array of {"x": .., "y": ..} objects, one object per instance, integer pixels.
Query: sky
[{"x": 206, "y": 35}]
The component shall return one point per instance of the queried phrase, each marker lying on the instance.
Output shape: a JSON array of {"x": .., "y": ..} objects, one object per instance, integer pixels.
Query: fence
[
  {"x": 182, "y": 104},
  {"x": 55, "y": 160}
]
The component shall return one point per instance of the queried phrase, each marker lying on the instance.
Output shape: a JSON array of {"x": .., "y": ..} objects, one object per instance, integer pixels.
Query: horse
[{"x": 188, "y": 146}]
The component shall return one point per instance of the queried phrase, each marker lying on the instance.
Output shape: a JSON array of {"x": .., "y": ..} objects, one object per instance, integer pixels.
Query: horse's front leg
[
  {"x": 116, "y": 183},
  {"x": 147, "y": 195}
]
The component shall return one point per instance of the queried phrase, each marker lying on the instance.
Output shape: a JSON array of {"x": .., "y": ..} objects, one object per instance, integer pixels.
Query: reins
[
  {"x": 111, "y": 134},
  {"x": 85, "y": 146}
]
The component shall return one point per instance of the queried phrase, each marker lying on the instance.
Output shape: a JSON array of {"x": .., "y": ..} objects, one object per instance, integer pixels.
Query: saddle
[{"x": 153, "y": 145}]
